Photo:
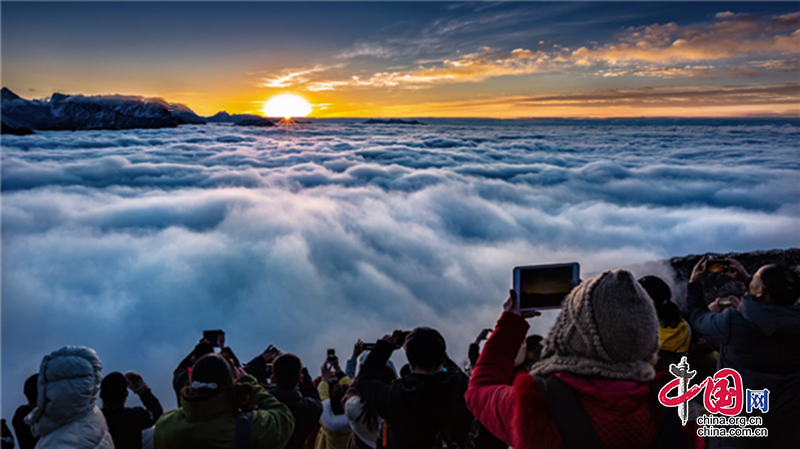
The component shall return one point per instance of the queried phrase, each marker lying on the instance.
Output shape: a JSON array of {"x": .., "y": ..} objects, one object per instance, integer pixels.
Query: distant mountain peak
[
  {"x": 81, "y": 112},
  {"x": 7, "y": 95},
  {"x": 58, "y": 97}
]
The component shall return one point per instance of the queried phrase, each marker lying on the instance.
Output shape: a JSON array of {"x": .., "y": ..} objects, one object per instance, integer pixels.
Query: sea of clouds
[{"x": 315, "y": 235}]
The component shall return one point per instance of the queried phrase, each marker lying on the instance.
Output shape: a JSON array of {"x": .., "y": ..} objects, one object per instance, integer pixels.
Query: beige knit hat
[{"x": 607, "y": 328}]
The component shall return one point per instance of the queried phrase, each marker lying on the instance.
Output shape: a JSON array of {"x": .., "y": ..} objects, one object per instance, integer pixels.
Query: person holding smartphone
[
  {"x": 426, "y": 408},
  {"x": 758, "y": 338}
]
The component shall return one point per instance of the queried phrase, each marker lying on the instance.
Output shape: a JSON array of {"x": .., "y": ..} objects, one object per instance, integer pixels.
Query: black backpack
[
  {"x": 443, "y": 439},
  {"x": 243, "y": 423}
]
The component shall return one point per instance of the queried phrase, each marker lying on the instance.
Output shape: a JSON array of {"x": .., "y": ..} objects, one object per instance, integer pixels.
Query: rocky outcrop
[
  {"x": 258, "y": 121},
  {"x": 14, "y": 131},
  {"x": 225, "y": 117},
  {"x": 102, "y": 112},
  {"x": 392, "y": 121}
]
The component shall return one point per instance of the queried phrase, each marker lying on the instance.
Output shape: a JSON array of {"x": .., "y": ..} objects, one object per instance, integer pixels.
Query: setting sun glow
[{"x": 287, "y": 106}]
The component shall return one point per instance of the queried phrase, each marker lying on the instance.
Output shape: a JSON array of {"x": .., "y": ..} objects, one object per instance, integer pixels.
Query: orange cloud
[
  {"x": 732, "y": 36},
  {"x": 293, "y": 77},
  {"x": 698, "y": 101},
  {"x": 698, "y": 71},
  {"x": 474, "y": 67},
  {"x": 659, "y": 50},
  {"x": 470, "y": 68}
]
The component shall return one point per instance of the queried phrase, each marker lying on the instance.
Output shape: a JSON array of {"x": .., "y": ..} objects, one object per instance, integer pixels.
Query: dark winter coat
[
  {"x": 25, "y": 438},
  {"x": 305, "y": 406},
  {"x": 416, "y": 407},
  {"x": 126, "y": 423},
  {"x": 760, "y": 341}
]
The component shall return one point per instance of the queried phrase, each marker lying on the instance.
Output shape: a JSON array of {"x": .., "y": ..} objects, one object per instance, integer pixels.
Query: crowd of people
[{"x": 593, "y": 382}]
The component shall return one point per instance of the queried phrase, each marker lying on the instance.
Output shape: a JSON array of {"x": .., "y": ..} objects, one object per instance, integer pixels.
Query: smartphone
[
  {"x": 717, "y": 265},
  {"x": 369, "y": 346},
  {"x": 725, "y": 303},
  {"x": 213, "y": 337},
  {"x": 331, "y": 353},
  {"x": 542, "y": 287},
  {"x": 403, "y": 337}
]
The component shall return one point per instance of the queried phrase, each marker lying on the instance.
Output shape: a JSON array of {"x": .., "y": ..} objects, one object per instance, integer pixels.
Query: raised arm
[
  {"x": 272, "y": 422},
  {"x": 490, "y": 396},
  {"x": 372, "y": 389},
  {"x": 715, "y": 326},
  {"x": 153, "y": 408}
]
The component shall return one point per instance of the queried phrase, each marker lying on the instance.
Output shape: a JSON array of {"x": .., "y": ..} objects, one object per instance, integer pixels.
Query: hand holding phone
[
  {"x": 270, "y": 354},
  {"x": 715, "y": 265},
  {"x": 397, "y": 339},
  {"x": 215, "y": 337},
  {"x": 512, "y": 305},
  {"x": 483, "y": 335}
]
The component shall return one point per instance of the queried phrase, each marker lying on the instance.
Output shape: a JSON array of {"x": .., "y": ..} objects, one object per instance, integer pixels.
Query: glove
[{"x": 136, "y": 382}]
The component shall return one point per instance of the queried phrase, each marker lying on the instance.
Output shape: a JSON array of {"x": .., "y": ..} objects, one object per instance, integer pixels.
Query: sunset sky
[{"x": 416, "y": 59}]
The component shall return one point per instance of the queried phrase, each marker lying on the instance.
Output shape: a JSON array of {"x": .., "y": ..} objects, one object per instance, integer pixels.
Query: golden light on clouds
[{"x": 287, "y": 106}]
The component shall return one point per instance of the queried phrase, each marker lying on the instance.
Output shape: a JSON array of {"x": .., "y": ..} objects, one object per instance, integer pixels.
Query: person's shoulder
[
  {"x": 311, "y": 402},
  {"x": 171, "y": 417},
  {"x": 22, "y": 412}
]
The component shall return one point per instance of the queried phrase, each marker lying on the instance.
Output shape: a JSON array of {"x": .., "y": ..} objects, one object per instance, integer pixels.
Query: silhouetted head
[
  {"x": 32, "y": 389},
  {"x": 286, "y": 371},
  {"x": 387, "y": 375},
  {"x": 425, "y": 349},
  {"x": 668, "y": 312},
  {"x": 114, "y": 390},
  {"x": 211, "y": 372},
  {"x": 200, "y": 350},
  {"x": 776, "y": 284},
  {"x": 337, "y": 393},
  {"x": 533, "y": 348}
]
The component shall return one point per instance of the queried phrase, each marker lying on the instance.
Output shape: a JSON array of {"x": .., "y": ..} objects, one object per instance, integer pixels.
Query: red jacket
[{"x": 624, "y": 414}]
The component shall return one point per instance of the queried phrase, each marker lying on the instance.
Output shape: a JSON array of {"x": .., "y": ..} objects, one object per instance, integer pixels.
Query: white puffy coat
[{"x": 66, "y": 415}]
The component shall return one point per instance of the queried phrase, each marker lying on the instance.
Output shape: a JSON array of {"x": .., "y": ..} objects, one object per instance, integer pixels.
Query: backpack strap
[
  {"x": 671, "y": 434},
  {"x": 569, "y": 416},
  {"x": 383, "y": 435},
  {"x": 243, "y": 423}
]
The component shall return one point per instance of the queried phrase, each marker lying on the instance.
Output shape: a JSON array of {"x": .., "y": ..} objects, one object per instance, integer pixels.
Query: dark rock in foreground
[
  {"x": 392, "y": 121},
  {"x": 259, "y": 121},
  {"x": 720, "y": 286},
  {"x": 14, "y": 131},
  {"x": 102, "y": 112}
]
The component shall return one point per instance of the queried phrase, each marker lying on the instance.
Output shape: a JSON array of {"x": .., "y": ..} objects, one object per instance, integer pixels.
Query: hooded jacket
[
  {"x": 66, "y": 414},
  {"x": 624, "y": 414},
  {"x": 209, "y": 422},
  {"x": 418, "y": 406},
  {"x": 758, "y": 340}
]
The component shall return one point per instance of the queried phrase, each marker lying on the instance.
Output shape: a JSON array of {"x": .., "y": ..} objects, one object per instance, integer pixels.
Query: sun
[{"x": 287, "y": 106}]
